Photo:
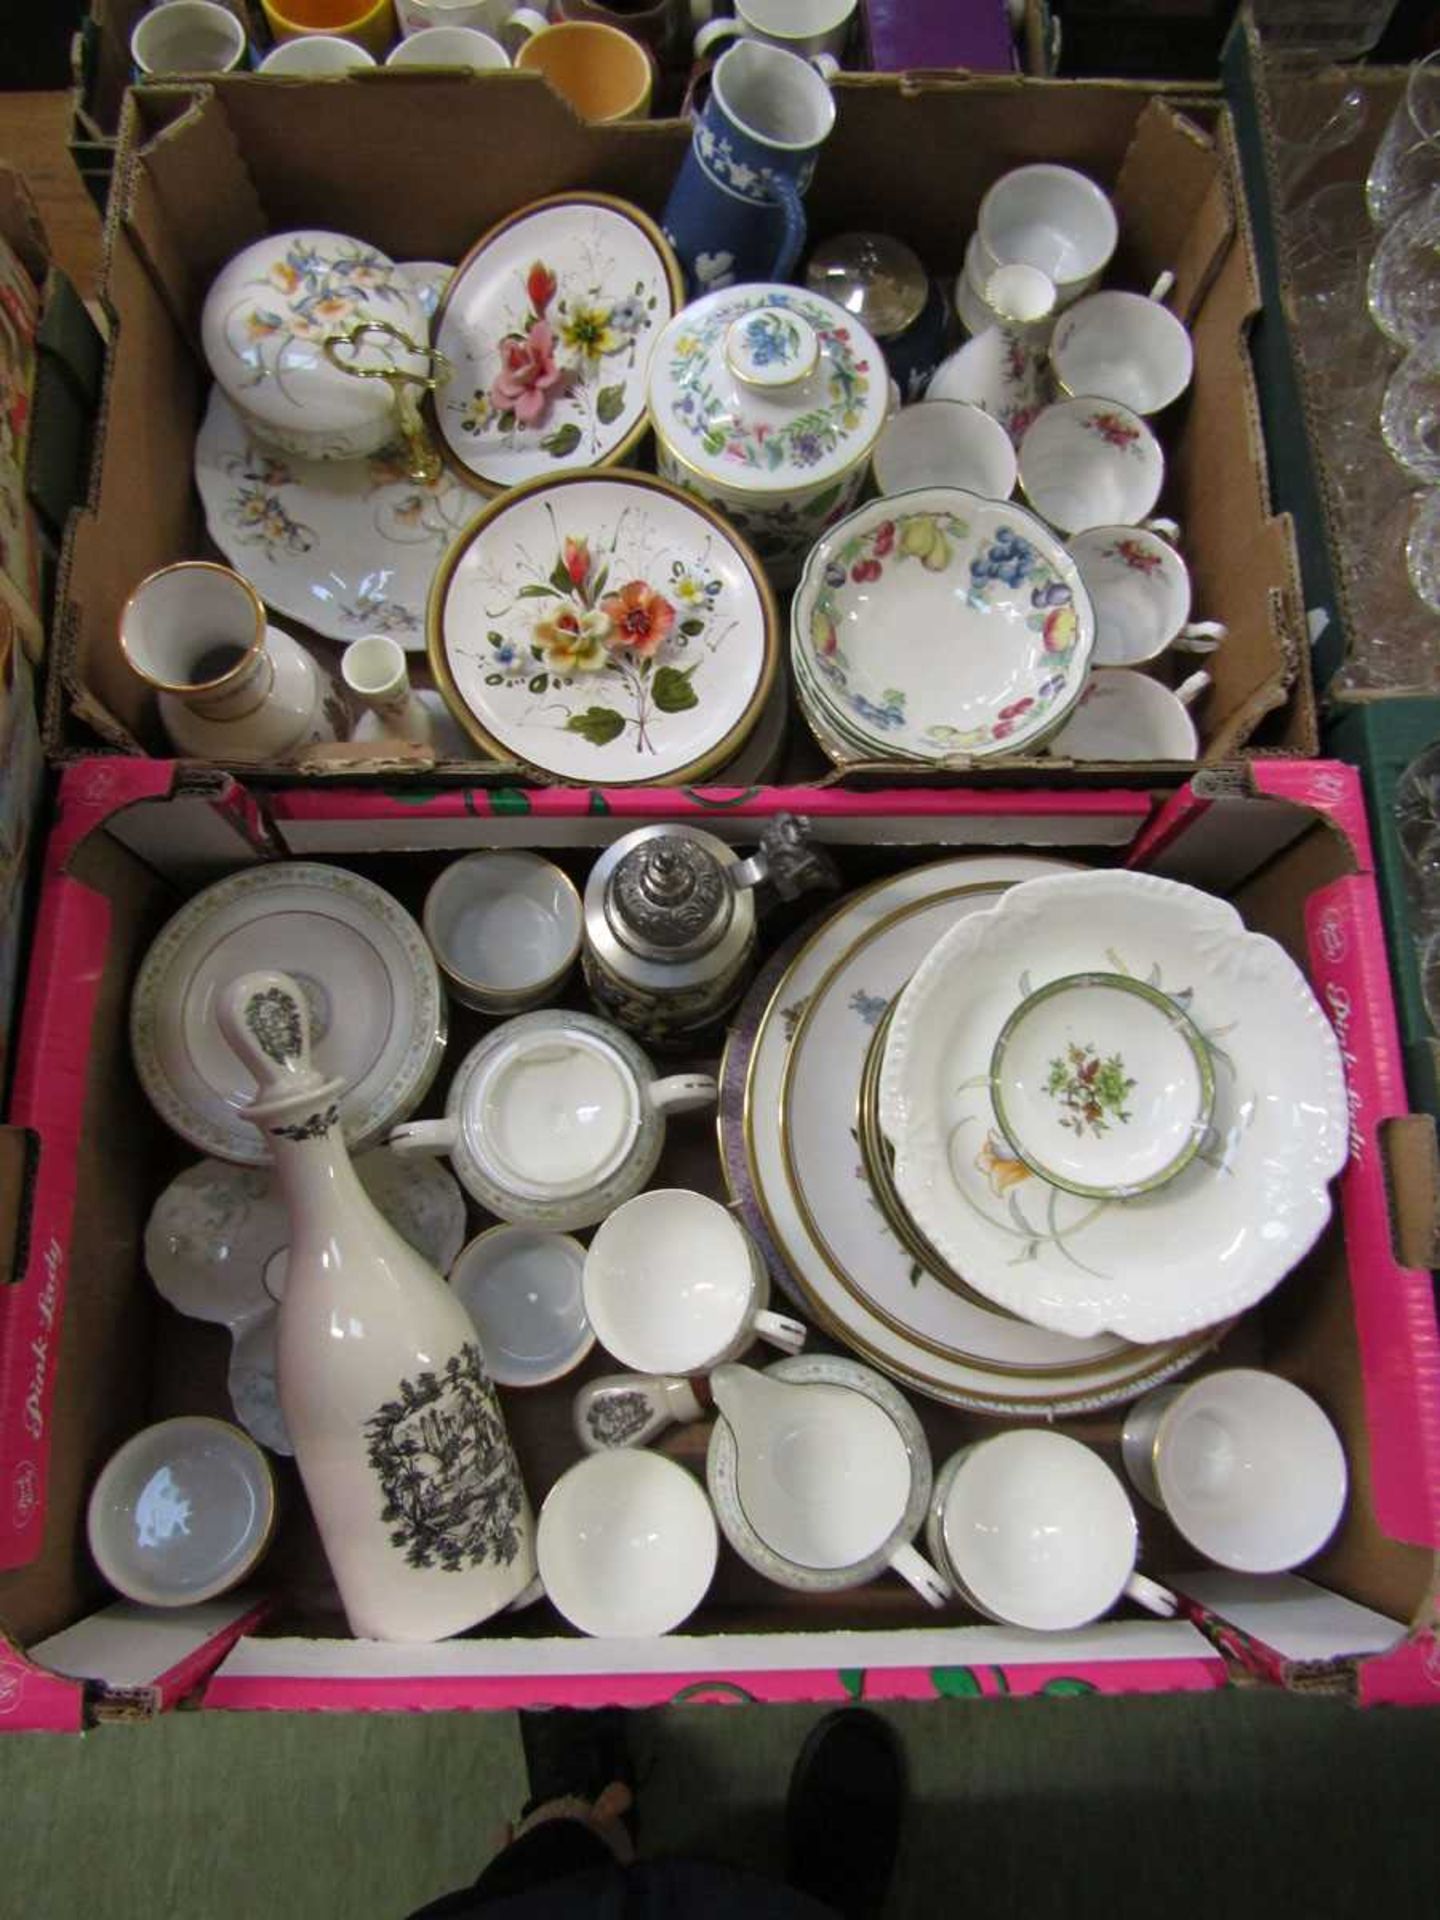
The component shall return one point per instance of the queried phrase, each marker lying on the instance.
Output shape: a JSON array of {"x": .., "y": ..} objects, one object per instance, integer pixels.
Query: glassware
[
  {"x": 1308, "y": 120},
  {"x": 1407, "y": 161},
  {"x": 1320, "y": 29},
  {"x": 1328, "y": 245},
  {"x": 1403, "y": 286},
  {"x": 1416, "y": 805},
  {"x": 1410, "y": 412}
]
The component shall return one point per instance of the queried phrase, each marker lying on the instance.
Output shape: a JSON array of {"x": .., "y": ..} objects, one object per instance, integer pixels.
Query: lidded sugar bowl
[
  {"x": 670, "y": 923},
  {"x": 766, "y": 401},
  {"x": 276, "y": 330}
]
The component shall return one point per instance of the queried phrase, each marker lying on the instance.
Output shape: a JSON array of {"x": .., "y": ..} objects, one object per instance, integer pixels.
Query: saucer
[
  {"x": 377, "y": 1012},
  {"x": 604, "y": 628},
  {"x": 549, "y": 324},
  {"x": 939, "y": 625},
  {"x": 217, "y": 1243},
  {"x": 1102, "y": 1085},
  {"x": 521, "y": 1287},
  {"x": 1213, "y": 1240},
  {"x": 349, "y": 547}
]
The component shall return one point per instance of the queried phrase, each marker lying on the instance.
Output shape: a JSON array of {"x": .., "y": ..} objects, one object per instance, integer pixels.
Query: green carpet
[{"x": 1028, "y": 1808}]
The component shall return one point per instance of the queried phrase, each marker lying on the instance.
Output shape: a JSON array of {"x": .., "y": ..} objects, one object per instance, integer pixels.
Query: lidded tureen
[
  {"x": 290, "y": 322},
  {"x": 767, "y": 401}
]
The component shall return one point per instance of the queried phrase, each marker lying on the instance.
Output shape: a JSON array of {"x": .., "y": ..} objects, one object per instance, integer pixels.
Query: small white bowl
[
  {"x": 945, "y": 443},
  {"x": 505, "y": 928},
  {"x": 522, "y": 1288},
  {"x": 1090, "y": 463},
  {"x": 317, "y": 53},
  {"x": 183, "y": 1512},
  {"x": 1125, "y": 347},
  {"x": 626, "y": 1544}
]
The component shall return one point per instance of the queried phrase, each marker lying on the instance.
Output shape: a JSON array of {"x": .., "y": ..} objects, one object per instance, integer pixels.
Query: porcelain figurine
[
  {"x": 230, "y": 687},
  {"x": 398, "y": 1434},
  {"x": 670, "y": 924},
  {"x": 767, "y": 401}
]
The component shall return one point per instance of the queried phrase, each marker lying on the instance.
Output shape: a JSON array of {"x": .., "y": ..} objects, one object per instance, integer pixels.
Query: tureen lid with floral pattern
[
  {"x": 767, "y": 389},
  {"x": 270, "y": 311}
]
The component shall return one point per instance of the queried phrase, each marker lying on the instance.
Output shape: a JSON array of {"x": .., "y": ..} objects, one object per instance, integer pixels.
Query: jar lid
[
  {"x": 669, "y": 898},
  {"x": 879, "y": 281},
  {"x": 270, "y": 311},
  {"x": 767, "y": 389}
]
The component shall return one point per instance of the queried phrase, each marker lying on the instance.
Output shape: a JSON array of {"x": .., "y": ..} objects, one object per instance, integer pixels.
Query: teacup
[
  {"x": 819, "y": 1473},
  {"x": 1018, "y": 298},
  {"x": 1000, "y": 372},
  {"x": 626, "y": 1544},
  {"x": 371, "y": 22},
  {"x": 1124, "y": 715},
  {"x": 1247, "y": 1466},
  {"x": 1048, "y": 217},
  {"x": 675, "y": 1285},
  {"x": 1033, "y": 1530},
  {"x": 506, "y": 929},
  {"x": 187, "y": 36},
  {"x": 1103, "y": 1085},
  {"x": 601, "y": 72},
  {"x": 522, "y": 1288},
  {"x": 449, "y": 47},
  {"x": 554, "y": 1119},
  {"x": 945, "y": 443},
  {"x": 1125, "y": 347},
  {"x": 736, "y": 211},
  {"x": 813, "y": 29},
  {"x": 503, "y": 20},
  {"x": 1140, "y": 589},
  {"x": 1090, "y": 463},
  {"x": 317, "y": 53}
]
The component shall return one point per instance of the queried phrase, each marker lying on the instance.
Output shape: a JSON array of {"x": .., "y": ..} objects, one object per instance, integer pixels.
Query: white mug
[
  {"x": 1034, "y": 1530},
  {"x": 1048, "y": 217},
  {"x": 317, "y": 53},
  {"x": 1139, "y": 588},
  {"x": 1247, "y": 1466},
  {"x": 814, "y": 29},
  {"x": 187, "y": 36},
  {"x": 1125, "y": 347},
  {"x": 945, "y": 443},
  {"x": 1124, "y": 715},
  {"x": 501, "y": 19},
  {"x": 449, "y": 47},
  {"x": 675, "y": 1285}
]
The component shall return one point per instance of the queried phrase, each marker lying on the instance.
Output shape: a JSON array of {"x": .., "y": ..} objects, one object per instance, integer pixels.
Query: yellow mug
[
  {"x": 369, "y": 23},
  {"x": 603, "y": 73}
]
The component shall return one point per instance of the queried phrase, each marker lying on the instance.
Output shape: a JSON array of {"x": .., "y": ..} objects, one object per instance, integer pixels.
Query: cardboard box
[
  {"x": 88, "y": 1354},
  {"x": 207, "y": 170}
]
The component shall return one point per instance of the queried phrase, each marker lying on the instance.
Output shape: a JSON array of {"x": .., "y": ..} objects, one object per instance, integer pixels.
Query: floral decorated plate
[
  {"x": 1211, "y": 1241},
  {"x": 377, "y": 1012},
  {"x": 347, "y": 546},
  {"x": 790, "y": 1082},
  {"x": 606, "y": 629},
  {"x": 939, "y": 626},
  {"x": 548, "y": 325},
  {"x": 217, "y": 1245}
]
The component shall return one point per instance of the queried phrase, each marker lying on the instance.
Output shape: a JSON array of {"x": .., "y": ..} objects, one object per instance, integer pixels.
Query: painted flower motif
[
  {"x": 575, "y": 642},
  {"x": 999, "y": 1166},
  {"x": 638, "y": 618},
  {"x": 806, "y": 449},
  {"x": 527, "y": 374},
  {"x": 1113, "y": 430},
  {"x": 1139, "y": 559},
  {"x": 540, "y": 287},
  {"x": 576, "y": 555},
  {"x": 587, "y": 332},
  {"x": 260, "y": 325},
  {"x": 629, "y": 315},
  {"x": 1061, "y": 628},
  {"x": 475, "y": 412}
]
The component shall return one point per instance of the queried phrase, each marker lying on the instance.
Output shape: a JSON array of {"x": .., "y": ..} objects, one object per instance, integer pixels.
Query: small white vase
[
  {"x": 397, "y": 1430},
  {"x": 375, "y": 671},
  {"x": 230, "y": 687}
]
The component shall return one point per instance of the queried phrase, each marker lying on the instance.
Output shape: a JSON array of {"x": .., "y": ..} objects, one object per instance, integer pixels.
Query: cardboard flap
[
  {"x": 1412, "y": 1167},
  {"x": 1175, "y": 210}
]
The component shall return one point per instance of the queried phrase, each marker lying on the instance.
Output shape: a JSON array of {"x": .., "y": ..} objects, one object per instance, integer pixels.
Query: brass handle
[{"x": 423, "y": 464}]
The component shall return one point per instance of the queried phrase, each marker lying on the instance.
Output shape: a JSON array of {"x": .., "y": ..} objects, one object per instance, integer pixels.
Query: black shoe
[
  {"x": 842, "y": 1818},
  {"x": 572, "y": 1751}
]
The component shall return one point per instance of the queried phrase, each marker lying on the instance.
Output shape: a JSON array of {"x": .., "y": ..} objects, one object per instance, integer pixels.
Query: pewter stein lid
[{"x": 670, "y": 896}]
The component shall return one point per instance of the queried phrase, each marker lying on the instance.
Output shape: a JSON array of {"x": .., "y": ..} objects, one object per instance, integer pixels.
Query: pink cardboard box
[{"x": 88, "y": 1353}]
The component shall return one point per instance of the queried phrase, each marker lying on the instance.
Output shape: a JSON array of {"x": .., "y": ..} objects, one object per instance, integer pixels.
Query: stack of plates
[
  {"x": 802, "y": 1162},
  {"x": 936, "y": 626}
]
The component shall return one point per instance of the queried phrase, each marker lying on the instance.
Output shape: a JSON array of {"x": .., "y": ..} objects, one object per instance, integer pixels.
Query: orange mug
[
  {"x": 369, "y": 23},
  {"x": 603, "y": 73}
]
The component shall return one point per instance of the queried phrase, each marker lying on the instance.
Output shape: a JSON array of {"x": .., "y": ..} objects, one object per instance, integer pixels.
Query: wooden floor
[{"x": 34, "y": 130}]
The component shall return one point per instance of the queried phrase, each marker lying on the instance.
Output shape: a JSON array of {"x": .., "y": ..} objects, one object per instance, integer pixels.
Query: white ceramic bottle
[{"x": 397, "y": 1431}]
